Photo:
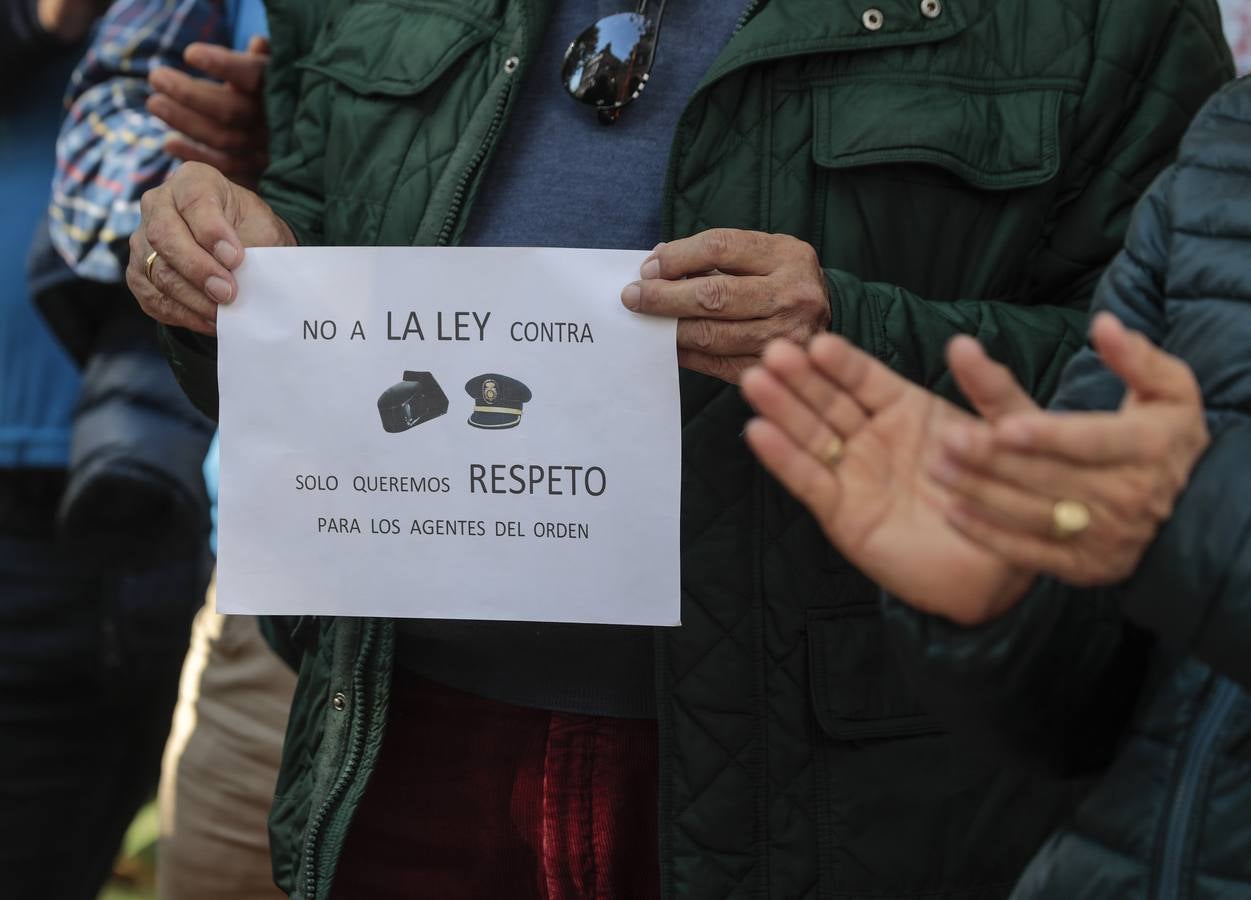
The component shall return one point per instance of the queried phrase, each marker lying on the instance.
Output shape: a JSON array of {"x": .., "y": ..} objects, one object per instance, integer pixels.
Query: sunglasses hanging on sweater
[{"x": 608, "y": 65}]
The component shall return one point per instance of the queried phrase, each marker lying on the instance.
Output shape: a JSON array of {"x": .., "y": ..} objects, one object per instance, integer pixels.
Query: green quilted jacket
[{"x": 960, "y": 166}]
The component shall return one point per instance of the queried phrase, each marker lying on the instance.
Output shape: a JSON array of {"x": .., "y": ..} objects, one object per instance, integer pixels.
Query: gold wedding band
[
  {"x": 833, "y": 451},
  {"x": 1069, "y": 518},
  {"x": 148, "y": 263}
]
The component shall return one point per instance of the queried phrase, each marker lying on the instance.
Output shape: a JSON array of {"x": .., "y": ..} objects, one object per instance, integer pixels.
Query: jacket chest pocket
[
  {"x": 943, "y": 188},
  {"x": 903, "y": 810},
  {"x": 383, "y": 71}
]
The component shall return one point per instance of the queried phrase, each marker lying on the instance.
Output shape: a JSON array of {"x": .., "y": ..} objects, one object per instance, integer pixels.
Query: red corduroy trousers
[{"x": 478, "y": 800}]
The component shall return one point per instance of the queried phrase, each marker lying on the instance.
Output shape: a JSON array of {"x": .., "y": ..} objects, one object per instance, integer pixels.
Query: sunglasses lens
[{"x": 605, "y": 65}]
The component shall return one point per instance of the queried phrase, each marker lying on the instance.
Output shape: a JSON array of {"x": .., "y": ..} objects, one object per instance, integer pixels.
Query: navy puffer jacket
[{"x": 1148, "y": 681}]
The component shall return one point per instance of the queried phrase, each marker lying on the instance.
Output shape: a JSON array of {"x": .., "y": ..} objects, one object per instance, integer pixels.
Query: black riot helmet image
[
  {"x": 416, "y": 399},
  {"x": 498, "y": 401}
]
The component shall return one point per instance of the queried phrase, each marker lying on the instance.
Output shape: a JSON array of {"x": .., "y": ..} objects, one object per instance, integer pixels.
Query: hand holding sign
[
  {"x": 853, "y": 441},
  {"x": 190, "y": 241},
  {"x": 732, "y": 292}
]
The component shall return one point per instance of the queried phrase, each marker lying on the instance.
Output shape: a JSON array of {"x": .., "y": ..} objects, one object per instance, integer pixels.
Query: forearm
[
  {"x": 910, "y": 333},
  {"x": 303, "y": 224},
  {"x": 293, "y": 183},
  {"x": 1193, "y": 587},
  {"x": 1051, "y": 683},
  {"x": 193, "y": 356},
  {"x": 193, "y": 359}
]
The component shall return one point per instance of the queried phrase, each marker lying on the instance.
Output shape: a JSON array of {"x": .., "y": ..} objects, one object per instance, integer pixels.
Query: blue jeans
[{"x": 89, "y": 664}]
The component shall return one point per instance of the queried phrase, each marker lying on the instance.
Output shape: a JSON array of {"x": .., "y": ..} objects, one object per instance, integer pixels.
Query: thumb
[
  {"x": 1149, "y": 372},
  {"x": 990, "y": 387}
]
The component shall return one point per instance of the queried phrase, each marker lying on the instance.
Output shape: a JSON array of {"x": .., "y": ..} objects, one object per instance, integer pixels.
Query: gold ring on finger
[
  {"x": 148, "y": 263},
  {"x": 1069, "y": 518},
  {"x": 832, "y": 452}
]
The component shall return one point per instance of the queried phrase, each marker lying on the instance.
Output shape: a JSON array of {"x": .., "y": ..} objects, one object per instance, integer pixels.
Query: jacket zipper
[
  {"x": 488, "y": 141},
  {"x": 1195, "y": 765},
  {"x": 752, "y": 8},
  {"x": 666, "y": 216},
  {"x": 462, "y": 185},
  {"x": 348, "y": 771}
]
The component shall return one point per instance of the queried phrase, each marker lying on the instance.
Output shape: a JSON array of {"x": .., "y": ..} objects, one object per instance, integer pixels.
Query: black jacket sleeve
[
  {"x": 1051, "y": 684},
  {"x": 1055, "y": 679},
  {"x": 193, "y": 358},
  {"x": 1193, "y": 588},
  {"x": 1190, "y": 590}
]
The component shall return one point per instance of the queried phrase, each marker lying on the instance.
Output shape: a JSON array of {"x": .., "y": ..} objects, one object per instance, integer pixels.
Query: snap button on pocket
[
  {"x": 339, "y": 702},
  {"x": 511, "y": 64},
  {"x": 931, "y": 9},
  {"x": 873, "y": 19}
]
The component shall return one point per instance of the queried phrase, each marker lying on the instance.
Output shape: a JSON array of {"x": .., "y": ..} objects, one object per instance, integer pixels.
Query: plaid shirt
[{"x": 111, "y": 149}]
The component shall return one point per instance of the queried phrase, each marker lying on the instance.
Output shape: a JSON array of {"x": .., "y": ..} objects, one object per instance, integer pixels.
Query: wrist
[
  {"x": 998, "y": 602},
  {"x": 259, "y": 224},
  {"x": 287, "y": 236},
  {"x": 1017, "y": 583}
]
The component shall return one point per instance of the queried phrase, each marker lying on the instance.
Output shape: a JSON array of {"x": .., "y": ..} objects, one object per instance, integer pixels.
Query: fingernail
[
  {"x": 225, "y": 252},
  {"x": 631, "y": 294},
  {"x": 655, "y": 251},
  {"x": 218, "y": 289},
  {"x": 157, "y": 77},
  {"x": 650, "y": 268}
]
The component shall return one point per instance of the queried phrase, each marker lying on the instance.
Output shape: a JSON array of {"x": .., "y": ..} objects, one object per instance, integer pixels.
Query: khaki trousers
[{"x": 221, "y": 763}]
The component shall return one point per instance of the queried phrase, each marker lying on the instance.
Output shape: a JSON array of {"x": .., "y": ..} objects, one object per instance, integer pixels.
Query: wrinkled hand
[
  {"x": 876, "y": 503},
  {"x": 198, "y": 222},
  {"x": 218, "y": 120},
  {"x": 732, "y": 292},
  {"x": 1127, "y": 468}
]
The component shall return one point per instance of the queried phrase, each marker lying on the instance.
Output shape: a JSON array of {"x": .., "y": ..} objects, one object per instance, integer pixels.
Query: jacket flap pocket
[
  {"x": 996, "y": 139},
  {"x": 859, "y": 691},
  {"x": 391, "y": 49}
]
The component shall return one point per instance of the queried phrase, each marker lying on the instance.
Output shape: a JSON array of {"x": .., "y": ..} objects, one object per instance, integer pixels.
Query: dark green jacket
[
  {"x": 970, "y": 171},
  {"x": 1147, "y": 681}
]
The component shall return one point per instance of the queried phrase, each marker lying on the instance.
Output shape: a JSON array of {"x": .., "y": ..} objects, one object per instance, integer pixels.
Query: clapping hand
[
  {"x": 1117, "y": 474},
  {"x": 957, "y": 515},
  {"x": 854, "y": 441}
]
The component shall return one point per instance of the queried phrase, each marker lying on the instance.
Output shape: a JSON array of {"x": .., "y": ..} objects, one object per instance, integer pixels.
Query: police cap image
[
  {"x": 416, "y": 399},
  {"x": 498, "y": 401}
]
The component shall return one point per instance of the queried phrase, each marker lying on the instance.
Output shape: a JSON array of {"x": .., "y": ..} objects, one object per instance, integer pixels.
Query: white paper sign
[{"x": 447, "y": 433}]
